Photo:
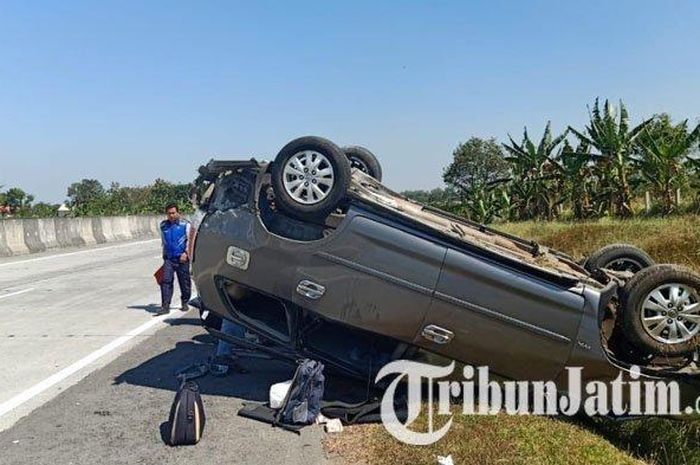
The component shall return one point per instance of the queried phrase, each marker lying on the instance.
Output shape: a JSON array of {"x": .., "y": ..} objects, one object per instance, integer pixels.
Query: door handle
[
  {"x": 310, "y": 289},
  {"x": 437, "y": 334}
]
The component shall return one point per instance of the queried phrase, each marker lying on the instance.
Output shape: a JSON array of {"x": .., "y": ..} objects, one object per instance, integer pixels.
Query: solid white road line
[
  {"x": 2, "y": 296},
  {"x": 40, "y": 387},
  {"x": 61, "y": 255}
]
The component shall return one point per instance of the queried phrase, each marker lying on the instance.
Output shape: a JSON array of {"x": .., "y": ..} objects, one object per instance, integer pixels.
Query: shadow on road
[
  {"x": 153, "y": 308},
  {"x": 160, "y": 372},
  {"x": 175, "y": 312},
  {"x": 150, "y": 308}
]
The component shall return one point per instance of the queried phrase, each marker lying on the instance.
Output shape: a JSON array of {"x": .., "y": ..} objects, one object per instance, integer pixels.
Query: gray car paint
[
  {"x": 520, "y": 326},
  {"x": 380, "y": 277}
]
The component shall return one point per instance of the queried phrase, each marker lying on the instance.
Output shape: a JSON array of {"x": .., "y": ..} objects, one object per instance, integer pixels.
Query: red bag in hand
[{"x": 159, "y": 275}]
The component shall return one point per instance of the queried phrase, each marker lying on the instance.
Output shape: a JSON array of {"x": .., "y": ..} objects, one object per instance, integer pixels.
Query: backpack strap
[
  {"x": 276, "y": 421},
  {"x": 350, "y": 413},
  {"x": 354, "y": 413}
]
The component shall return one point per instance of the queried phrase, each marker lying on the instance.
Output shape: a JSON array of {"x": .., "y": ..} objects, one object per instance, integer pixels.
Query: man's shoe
[
  {"x": 185, "y": 307},
  {"x": 218, "y": 365},
  {"x": 221, "y": 365},
  {"x": 218, "y": 370},
  {"x": 162, "y": 311}
]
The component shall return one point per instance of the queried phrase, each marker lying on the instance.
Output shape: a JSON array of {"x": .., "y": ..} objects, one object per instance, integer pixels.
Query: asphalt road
[{"x": 89, "y": 371}]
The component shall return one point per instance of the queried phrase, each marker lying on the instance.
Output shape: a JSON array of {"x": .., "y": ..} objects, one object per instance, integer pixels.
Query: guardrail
[{"x": 31, "y": 235}]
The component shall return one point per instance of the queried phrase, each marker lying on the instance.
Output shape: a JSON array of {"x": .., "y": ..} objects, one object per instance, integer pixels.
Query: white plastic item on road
[
  {"x": 445, "y": 460},
  {"x": 334, "y": 426},
  {"x": 278, "y": 392}
]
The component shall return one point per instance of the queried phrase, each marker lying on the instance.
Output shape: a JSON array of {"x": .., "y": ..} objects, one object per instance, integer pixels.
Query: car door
[
  {"x": 487, "y": 314},
  {"x": 372, "y": 275}
]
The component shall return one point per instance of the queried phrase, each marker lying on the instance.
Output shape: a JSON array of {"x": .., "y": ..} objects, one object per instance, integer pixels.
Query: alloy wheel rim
[
  {"x": 671, "y": 313},
  {"x": 308, "y": 177}
]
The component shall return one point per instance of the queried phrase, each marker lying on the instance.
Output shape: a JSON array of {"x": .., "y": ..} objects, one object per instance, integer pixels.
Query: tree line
[
  {"x": 607, "y": 168},
  {"x": 89, "y": 197}
]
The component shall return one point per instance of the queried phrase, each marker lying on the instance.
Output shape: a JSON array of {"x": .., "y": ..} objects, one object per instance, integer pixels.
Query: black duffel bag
[{"x": 187, "y": 416}]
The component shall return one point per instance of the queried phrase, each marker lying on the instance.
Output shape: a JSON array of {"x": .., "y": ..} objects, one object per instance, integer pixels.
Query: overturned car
[{"x": 315, "y": 256}]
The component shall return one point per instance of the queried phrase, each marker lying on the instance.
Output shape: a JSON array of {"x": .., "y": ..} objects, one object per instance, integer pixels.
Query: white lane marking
[
  {"x": 60, "y": 255},
  {"x": 2, "y": 296},
  {"x": 42, "y": 386}
]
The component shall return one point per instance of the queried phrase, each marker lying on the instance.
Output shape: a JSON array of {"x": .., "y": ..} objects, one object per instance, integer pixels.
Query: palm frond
[{"x": 582, "y": 137}]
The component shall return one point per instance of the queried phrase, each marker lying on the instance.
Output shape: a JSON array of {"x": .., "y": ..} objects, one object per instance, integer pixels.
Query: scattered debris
[
  {"x": 330, "y": 425},
  {"x": 334, "y": 426}
]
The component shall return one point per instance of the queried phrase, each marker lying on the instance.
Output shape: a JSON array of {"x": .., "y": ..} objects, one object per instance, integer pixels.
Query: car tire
[
  {"x": 651, "y": 309},
  {"x": 364, "y": 160},
  {"x": 619, "y": 257},
  {"x": 310, "y": 177}
]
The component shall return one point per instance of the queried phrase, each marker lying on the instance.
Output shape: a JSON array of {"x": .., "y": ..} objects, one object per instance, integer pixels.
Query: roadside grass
[
  {"x": 500, "y": 439},
  {"x": 675, "y": 239},
  {"x": 505, "y": 439},
  {"x": 657, "y": 440}
]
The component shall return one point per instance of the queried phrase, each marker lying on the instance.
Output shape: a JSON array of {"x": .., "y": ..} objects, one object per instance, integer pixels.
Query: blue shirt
[{"x": 174, "y": 236}]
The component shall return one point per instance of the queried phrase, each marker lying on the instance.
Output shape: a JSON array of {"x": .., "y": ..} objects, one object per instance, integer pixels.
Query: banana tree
[
  {"x": 535, "y": 174},
  {"x": 614, "y": 142},
  {"x": 487, "y": 203},
  {"x": 578, "y": 181},
  {"x": 662, "y": 158},
  {"x": 694, "y": 164}
]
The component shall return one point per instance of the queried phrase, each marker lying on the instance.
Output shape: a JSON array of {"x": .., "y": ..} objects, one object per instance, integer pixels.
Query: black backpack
[{"x": 187, "y": 415}]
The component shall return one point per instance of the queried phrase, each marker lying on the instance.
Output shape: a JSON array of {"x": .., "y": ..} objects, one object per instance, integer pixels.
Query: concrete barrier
[
  {"x": 141, "y": 226},
  {"x": 120, "y": 227},
  {"x": 4, "y": 248},
  {"x": 14, "y": 237},
  {"x": 47, "y": 233},
  {"x": 85, "y": 230},
  {"x": 68, "y": 232},
  {"x": 155, "y": 227},
  {"x": 32, "y": 240},
  {"x": 23, "y": 236},
  {"x": 107, "y": 229},
  {"x": 97, "y": 231}
]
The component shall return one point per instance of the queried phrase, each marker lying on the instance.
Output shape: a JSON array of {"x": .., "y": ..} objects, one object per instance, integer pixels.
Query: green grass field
[
  {"x": 500, "y": 439},
  {"x": 668, "y": 240},
  {"x": 505, "y": 439}
]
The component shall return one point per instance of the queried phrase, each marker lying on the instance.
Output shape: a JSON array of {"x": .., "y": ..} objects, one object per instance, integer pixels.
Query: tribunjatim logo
[{"x": 425, "y": 387}]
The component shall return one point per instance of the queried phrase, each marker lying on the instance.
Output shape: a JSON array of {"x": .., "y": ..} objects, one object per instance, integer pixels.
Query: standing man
[{"x": 175, "y": 233}]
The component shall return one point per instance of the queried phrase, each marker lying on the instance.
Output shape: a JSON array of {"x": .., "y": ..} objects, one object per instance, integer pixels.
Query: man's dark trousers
[{"x": 172, "y": 267}]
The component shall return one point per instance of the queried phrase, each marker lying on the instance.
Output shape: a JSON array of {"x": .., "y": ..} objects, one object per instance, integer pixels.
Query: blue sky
[{"x": 130, "y": 91}]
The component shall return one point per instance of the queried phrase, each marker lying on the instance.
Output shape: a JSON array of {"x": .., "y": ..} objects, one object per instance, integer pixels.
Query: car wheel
[
  {"x": 619, "y": 257},
  {"x": 661, "y": 310},
  {"x": 310, "y": 177},
  {"x": 364, "y": 160}
]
